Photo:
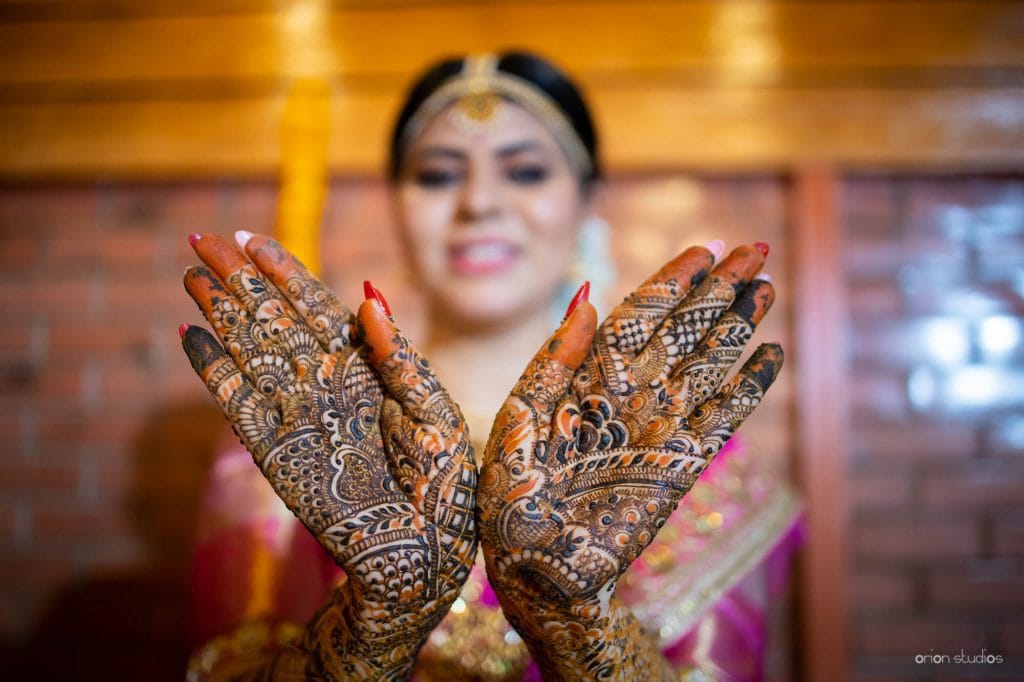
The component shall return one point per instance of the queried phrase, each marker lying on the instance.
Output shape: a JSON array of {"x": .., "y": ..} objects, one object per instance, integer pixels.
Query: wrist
[
  {"x": 353, "y": 639},
  {"x": 591, "y": 638}
]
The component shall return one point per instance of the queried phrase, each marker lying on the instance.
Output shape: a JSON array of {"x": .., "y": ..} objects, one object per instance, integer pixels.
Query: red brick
[
  {"x": 891, "y": 635},
  {"x": 29, "y": 572},
  {"x": 89, "y": 336},
  {"x": 1008, "y": 534},
  {"x": 980, "y": 486},
  {"x": 875, "y": 299},
  {"x": 29, "y": 208},
  {"x": 881, "y": 489},
  {"x": 78, "y": 523},
  {"x": 897, "y": 443},
  {"x": 889, "y": 591},
  {"x": 19, "y": 253},
  {"x": 134, "y": 252},
  {"x": 16, "y": 476},
  {"x": 1012, "y": 631},
  {"x": 899, "y": 538},
  {"x": 977, "y": 588},
  {"x": 879, "y": 396}
]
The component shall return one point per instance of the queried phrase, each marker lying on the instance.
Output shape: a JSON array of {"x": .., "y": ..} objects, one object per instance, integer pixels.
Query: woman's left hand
[
  {"x": 356, "y": 435},
  {"x": 597, "y": 444}
]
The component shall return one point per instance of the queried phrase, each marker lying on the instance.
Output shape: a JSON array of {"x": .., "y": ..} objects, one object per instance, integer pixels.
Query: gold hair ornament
[{"x": 478, "y": 90}]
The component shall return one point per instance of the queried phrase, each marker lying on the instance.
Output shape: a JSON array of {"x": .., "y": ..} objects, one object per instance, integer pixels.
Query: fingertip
[
  {"x": 766, "y": 363},
  {"x": 571, "y": 343},
  {"x": 378, "y": 330},
  {"x": 242, "y": 238},
  {"x": 200, "y": 347},
  {"x": 755, "y": 300},
  {"x": 220, "y": 254},
  {"x": 716, "y": 247}
]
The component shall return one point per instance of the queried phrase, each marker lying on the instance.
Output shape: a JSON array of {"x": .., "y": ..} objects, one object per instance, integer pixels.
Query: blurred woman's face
[{"x": 489, "y": 215}]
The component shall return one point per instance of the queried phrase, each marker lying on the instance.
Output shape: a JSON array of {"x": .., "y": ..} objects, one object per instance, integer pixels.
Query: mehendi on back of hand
[
  {"x": 597, "y": 444},
  {"x": 358, "y": 438}
]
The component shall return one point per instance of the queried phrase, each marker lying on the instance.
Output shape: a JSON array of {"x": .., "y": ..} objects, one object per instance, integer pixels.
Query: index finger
[{"x": 331, "y": 322}]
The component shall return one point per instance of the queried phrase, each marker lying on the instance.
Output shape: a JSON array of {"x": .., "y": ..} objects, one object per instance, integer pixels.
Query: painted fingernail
[
  {"x": 583, "y": 294},
  {"x": 763, "y": 276},
  {"x": 373, "y": 292},
  {"x": 242, "y": 238},
  {"x": 762, "y": 247},
  {"x": 193, "y": 238},
  {"x": 182, "y": 329},
  {"x": 716, "y": 247}
]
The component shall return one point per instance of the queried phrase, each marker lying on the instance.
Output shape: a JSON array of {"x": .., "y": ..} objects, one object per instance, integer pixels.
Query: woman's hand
[
  {"x": 358, "y": 438},
  {"x": 597, "y": 444}
]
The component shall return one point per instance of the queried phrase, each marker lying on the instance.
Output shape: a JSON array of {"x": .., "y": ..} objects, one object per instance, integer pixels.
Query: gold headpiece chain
[{"x": 477, "y": 88}]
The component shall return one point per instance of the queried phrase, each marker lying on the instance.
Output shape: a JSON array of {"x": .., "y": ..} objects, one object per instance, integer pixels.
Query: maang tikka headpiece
[{"x": 478, "y": 90}]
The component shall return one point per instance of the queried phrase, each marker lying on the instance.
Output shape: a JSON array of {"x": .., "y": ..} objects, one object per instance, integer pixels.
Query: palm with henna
[
  {"x": 358, "y": 438},
  {"x": 597, "y": 443}
]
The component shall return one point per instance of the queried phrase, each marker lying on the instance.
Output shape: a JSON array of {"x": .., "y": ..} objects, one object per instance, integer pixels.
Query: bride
[{"x": 494, "y": 166}]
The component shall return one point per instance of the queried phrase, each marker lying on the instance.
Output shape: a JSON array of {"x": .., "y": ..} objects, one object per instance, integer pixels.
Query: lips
[{"x": 482, "y": 257}]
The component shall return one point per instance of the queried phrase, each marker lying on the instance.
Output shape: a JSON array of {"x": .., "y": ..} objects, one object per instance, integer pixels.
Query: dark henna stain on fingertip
[
  {"x": 554, "y": 344},
  {"x": 699, "y": 276},
  {"x": 765, "y": 374},
  {"x": 200, "y": 347},
  {"x": 745, "y": 305}
]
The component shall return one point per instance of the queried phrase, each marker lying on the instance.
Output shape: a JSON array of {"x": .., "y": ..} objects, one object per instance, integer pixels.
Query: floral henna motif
[
  {"x": 362, "y": 443},
  {"x": 590, "y": 455}
]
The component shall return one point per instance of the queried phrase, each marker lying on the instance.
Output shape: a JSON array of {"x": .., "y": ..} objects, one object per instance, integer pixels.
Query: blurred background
[{"x": 878, "y": 146}]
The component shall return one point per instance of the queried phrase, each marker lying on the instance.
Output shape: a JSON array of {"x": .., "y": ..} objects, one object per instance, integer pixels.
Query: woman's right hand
[
  {"x": 356, "y": 435},
  {"x": 596, "y": 445}
]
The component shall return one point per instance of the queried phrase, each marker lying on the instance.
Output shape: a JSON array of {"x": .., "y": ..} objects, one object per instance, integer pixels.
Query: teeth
[{"x": 485, "y": 253}]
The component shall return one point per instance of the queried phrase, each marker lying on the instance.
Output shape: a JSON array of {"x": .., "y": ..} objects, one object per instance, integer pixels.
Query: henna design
[
  {"x": 360, "y": 441},
  {"x": 590, "y": 455}
]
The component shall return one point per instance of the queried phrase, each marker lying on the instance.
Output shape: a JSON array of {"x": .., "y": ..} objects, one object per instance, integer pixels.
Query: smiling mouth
[{"x": 482, "y": 257}]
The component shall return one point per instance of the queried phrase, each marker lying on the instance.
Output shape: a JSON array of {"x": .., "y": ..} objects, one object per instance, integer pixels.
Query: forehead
[{"x": 508, "y": 124}]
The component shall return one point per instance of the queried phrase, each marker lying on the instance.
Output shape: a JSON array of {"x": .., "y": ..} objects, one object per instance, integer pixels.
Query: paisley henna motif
[
  {"x": 360, "y": 441},
  {"x": 592, "y": 452}
]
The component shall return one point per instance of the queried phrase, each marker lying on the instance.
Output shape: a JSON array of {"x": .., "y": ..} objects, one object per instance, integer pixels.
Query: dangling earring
[{"x": 591, "y": 260}]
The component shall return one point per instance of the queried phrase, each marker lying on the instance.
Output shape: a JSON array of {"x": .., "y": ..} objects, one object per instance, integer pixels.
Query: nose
[{"x": 481, "y": 195}]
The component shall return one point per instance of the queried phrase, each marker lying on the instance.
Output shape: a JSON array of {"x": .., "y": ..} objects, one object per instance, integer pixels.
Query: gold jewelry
[{"x": 478, "y": 90}]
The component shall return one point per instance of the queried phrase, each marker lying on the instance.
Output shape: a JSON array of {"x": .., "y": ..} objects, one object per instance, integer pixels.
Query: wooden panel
[
  {"x": 698, "y": 129},
  {"x": 821, "y": 428},
  {"x": 767, "y": 127},
  {"x": 182, "y": 91},
  {"x": 767, "y": 42}
]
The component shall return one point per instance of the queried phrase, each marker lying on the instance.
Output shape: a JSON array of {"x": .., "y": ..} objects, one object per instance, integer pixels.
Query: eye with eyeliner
[
  {"x": 527, "y": 173},
  {"x": 437, "y": 178}
]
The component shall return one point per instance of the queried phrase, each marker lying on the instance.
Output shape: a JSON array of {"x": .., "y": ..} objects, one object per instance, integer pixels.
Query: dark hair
[{"x": 538, "y": 71}]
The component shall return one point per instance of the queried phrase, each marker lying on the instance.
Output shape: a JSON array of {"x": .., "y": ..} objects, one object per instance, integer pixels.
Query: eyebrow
[
  {"x": 502, "y": 152},
  {"x": 520, "y": 147}
]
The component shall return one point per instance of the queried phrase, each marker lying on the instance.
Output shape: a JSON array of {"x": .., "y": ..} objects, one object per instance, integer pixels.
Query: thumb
[
  {"x": 406, "y": 374},
  {"x": 549, "y": 374}
]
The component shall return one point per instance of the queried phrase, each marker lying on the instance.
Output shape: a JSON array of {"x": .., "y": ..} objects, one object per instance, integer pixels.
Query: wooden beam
[
  {"x": 821, "y": 421},
  {"x": 741, "y": 130},
  {"x": 780, "y": 42}
]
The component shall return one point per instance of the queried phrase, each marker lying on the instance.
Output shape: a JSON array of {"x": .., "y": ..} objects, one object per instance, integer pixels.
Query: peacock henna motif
[
  {"x": 597, "y": 444},
  {"x": 358, "y": 438}
]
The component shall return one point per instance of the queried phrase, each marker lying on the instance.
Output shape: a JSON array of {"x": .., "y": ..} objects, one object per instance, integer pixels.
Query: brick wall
[
  {"x": 107, "y": 434},
  {"x": 935, "y": 269}
]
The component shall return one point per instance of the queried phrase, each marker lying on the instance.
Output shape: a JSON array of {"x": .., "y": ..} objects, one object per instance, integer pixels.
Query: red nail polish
[
  {"x": 193, "y": 238},
  {"x": 370, "y": 291},
  {"x": 762, "y": 247},
  {"x": 182, "y": 329},
  {"x": 582, "y": 295}
]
